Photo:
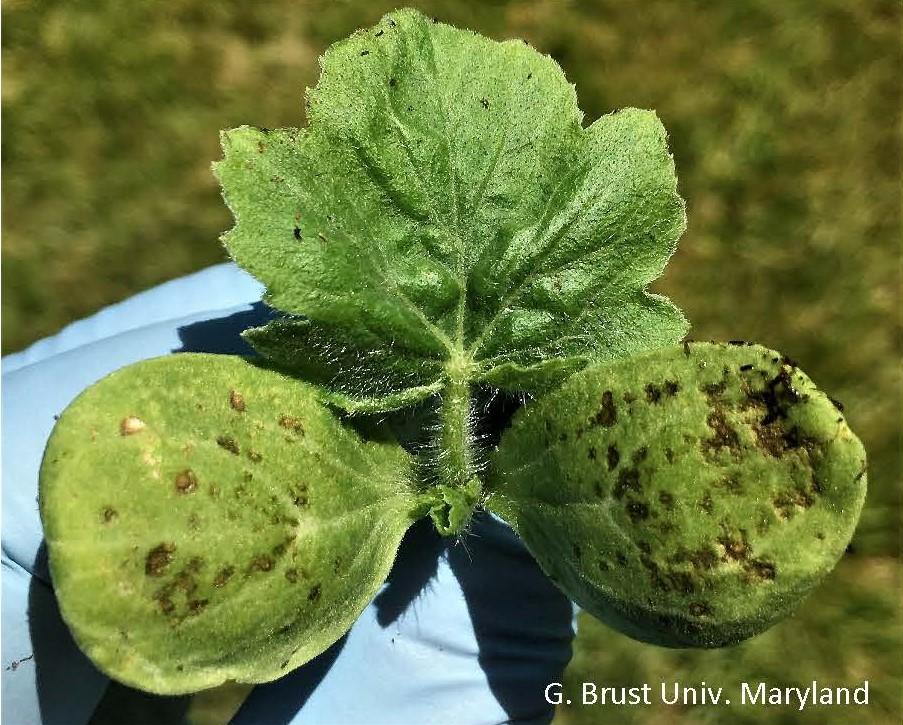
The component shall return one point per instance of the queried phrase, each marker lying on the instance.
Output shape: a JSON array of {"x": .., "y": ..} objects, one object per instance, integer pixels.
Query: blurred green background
[{"x": 784, "y": 118}]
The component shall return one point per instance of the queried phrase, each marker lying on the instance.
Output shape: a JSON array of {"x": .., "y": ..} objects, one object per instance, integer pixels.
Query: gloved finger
[
  {"x": 467, "y": 632},
  {"x": 215, "y": 288},
  {"x": 46, "y": 678}
]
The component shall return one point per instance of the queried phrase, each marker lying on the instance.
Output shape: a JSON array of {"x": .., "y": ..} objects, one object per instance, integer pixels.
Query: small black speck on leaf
[
  {"x": 297, "y": 233},
  {"x": 365, "y": 52}
]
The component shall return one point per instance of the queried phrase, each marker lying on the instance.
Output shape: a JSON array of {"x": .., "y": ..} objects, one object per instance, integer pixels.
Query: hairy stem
[
  {"x": 457, "y": 490},
  {"x": 455, "y": 454}
]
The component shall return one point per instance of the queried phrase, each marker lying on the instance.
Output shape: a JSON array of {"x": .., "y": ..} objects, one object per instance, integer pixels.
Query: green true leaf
[
  {"x": 690, "y": 496},
  {"x": 446, "y": 209},
  {"x": 348, "y": 375},
  {"x": 209, "y": 520}
]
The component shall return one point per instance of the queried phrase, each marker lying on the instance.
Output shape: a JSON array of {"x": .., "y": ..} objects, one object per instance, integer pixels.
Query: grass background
[{"x": 784, "y": 118}]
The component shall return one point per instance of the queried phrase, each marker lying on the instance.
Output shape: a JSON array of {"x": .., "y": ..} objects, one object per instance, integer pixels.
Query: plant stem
[
  {"x": 455, "y": 457},
  {"x": 457, "y": 490}
]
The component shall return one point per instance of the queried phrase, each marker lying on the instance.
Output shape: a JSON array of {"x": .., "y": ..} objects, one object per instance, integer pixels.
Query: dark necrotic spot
[
  {"x": 735, "y": 545},
  {"x": 223, "y": 576},
  {"x": 639, "y": 455},
  {"x": 681, "y": 582},
  {"x": 196, "y": 606},
  {"x": 314, "y": 593},
  {"x": 365, "y": 52},
  {"x": 760, "y": 570},
  {"x": 484, "y": 102},
  {"x": 836, "y": 403},
  {"x": 262, "y": 562},
  {"x": 702, "y": 558},
  {"x": 669, "y": 455},
  {"x": 628, "y": 478},
  {"x": 379, "y": 33},
  {"x": 291, "y": 423},
  {"x": 228, "y": 443},
  {"x": 731, "y": 483},
  {"x": 607, "y": 415},
  {"x": 159, "y": 558},
  {"x": 237, "y": 400},
  {"x": 672, "y": 388},
  {"x": 666, "y": 499},
  {"x": 297, "y": 233},
  {"x": 300, "y": 497},
  {"x": 108, "y": 514},
  {"x": 165, "y": 604},
  {"x": 592, "y": 453},
  {"x": 186, "y": 481},
  {"x": 255, "y": 456},
  {"x": 637, "y": 511},
  {"x": 723, "y": 435},
  {"x": 291, "y": 575},
  {"x": 736, "y": 342},
  {"x": 621, "y": 558},
  {"x": 613, "y": 457},
  {"x": 392, "y": 83},
  {"x": 653, "y": 393}
]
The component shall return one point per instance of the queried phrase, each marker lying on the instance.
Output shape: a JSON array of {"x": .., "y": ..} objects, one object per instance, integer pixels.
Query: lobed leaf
[
  {"x": 209, "y": 520},
  {"x": 691, "y": 496},
  {"x": 446, "y": 205}
]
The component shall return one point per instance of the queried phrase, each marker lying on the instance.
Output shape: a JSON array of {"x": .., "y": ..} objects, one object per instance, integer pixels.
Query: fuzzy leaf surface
[
  {"x": 691, "y": 496},
  {"x": 209, "y": 520},
  {"x": 445, "y": 203}
]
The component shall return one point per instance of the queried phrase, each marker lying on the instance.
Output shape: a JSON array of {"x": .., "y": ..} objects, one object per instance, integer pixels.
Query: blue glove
[{"x": 463, "y": 632}]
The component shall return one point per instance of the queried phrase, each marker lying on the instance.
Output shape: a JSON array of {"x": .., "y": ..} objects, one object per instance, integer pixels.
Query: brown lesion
[
  {"x": 628, "y": 479},
  {"x": 223, "y": 576},
  {"x": 612, "y": 457},
  {"x": 186, "y": 481},
  {"x": 291, "y": 423},
  {"x": 159, "y": 558},
  {"x": 607, "y": 415},
  {"x": 724, "y": 435},
  {"x": 653, "y": 393},
  {"x": 228, "y": 443},
  {"x": 237, "y": 401}
]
